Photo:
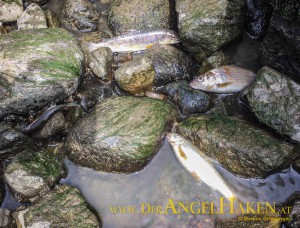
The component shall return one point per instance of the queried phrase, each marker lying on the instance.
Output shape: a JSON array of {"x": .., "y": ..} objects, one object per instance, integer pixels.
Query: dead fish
[
  {"x": 135, "y": 41},
  {"x": 225, "y": 79},
  {"x": 197, "y": 163}
]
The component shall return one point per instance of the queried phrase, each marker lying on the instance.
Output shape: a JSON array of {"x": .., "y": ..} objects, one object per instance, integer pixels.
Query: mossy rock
[
  {"x": 240, "y": 147},
  {"x": 121, "y": 134},
  {"x": 37, "y": 67}
]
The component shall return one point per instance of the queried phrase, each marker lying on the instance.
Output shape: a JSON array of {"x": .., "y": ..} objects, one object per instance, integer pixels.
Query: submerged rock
[
  {"x": 241, "y": 148},
  {"x": 206, "y": 25},
  {"x": 32, "y": 173},
  {"x": 32, "y": 18},
  {"x": 100, "y": 62},
  {"x": 12, "y": 140},
  {"x": 274, "y": 98},
  {"x": 61, "y": 207},
  {"x": 189, "y": 101},
  {"x": 10, "y": 10},
  {"x": 216, "y": 60},
  {"x": 137, "y": 76},
  {"x": 79, "y": 15},
  {"x": 37, "y": 67},
  {"x": 121, "y": 134},
  {"x": 147, "y": 14},
  {"x": 170, "y": 64},
  {"x": 6, "y": 219}
]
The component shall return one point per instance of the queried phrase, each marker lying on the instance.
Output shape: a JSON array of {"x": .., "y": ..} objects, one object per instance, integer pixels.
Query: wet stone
[
  {"x": 295, "y": 215},
  {"x": 6, "y": 219},
  {"x": 216, "y": 60},
  {"x": 61, "y": 207},
  {"x": 52, "y": 20},
  {"x": 10, "y": 10},
  {"x": 39, "y": 2},
  {"x": 100, "y": 62},
  {"x": 32, "y": 18},
  {"x": 238, "y": 146},
  {"x": 32, "y": 173}
]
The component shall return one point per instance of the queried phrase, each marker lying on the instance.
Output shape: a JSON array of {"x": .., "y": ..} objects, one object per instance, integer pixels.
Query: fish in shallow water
[
  {"x": 225, "y": 79},
  {"x": 135, "y": 41},
  {"x": 198, "y": 164}
]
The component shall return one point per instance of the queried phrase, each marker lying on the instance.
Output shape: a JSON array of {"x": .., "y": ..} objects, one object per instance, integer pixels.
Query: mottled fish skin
[
  {"x": 225, "y": 79},
  {"x": 198, "y": 164},
  {"x": 135, "y": 41}
]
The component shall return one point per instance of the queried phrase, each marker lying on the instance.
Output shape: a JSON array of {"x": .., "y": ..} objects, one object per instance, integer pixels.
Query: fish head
[
  {"x": 204, "y": 82},
  {"x": 174, "y": 138},
  {"x": 171, "y": 38}
]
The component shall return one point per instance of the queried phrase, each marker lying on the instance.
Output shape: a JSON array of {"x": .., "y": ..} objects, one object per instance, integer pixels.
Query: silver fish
[
  {"x": 198, "y": 164},
  {"x": 225, "y": 79},
  {"x": 135, "y": 41}
]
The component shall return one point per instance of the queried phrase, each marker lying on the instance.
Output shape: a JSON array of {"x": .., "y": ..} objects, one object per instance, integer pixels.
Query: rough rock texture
[
  {"x": 10, "y": 10},
  {"x": 12, "y": 140},
  {"x": 281, "y": 47},
  {"x": 61, "y": 207},
  {"x": 32, "y": 18},
  {"x": 136, "y": 76},
  {"x": 217, "y": 59},
  {"x": 240, "y": 147},
  {"x": 52, "y": 20},
  {"x": 206, "y": 25},
  {"x": 100, "y": 62},
  {"x": 170, "y": 64},
  {"x": 32, "y": 173},
  {"x": 189, "y": 101},
  {"x": 79, "y": 15},
  {"x": 274, "y": 98},
  {"x": 295, "y": 215},
  {"x": 37, "y": 67},
  {"x": 139, "y": 14},
  {"x": 6, "y": 219},
  {"x": 39, "y": 2},
  {"x": 121, "y": 134}
]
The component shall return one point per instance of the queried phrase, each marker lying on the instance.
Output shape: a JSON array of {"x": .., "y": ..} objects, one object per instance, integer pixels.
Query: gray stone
[
  {"x": 32, "y": 173},
  {"x": 10, "y": 10},
  {"x": 6, "y": 219},
  {"x": 32, "y": 18},
  {"x": 100, "y": 62},
  {"x": 139, "y": 15},
  {"x": 37, "y": 67},
  {"x": 121, "y": 134},
  {"x": 61, "y": 207},
  {"x": 217, "y": 59},
  {"x": 39, "y": 2},
  {"x": 52, "y": 20},
  {"x": 79, "y": 15},
  {"x": 136, "y": 76},
  {"x": 274, "y": 98},
  {"x": 294, "y": 215},
  {"x": 240, "y": 147},
  {"x": 206, "y": 25}
]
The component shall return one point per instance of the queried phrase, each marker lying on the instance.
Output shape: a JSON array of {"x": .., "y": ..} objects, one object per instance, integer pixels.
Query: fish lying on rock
[
  {"x": 225, "y": 79},
  {"x": 135, "y": 41},
  {"x": 198, "y": 164}
]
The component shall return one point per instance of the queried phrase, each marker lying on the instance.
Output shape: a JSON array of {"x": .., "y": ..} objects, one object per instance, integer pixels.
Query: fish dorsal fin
[{"x": 224, "y": 84}]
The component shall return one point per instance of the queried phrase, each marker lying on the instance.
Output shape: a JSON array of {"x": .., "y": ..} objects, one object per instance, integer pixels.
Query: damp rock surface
[
  {"x": 32, "y": 18},
  {"x": 240, "y": 147},
  {"x": 121, "y": 134},
  {"x": 10, "y": 10},
  {"x": 216, "y": 60},
  {"x": 274, "y": 98},
  {"x": 100, "y": 62},
  {"x": 37, "y": 67},
  {"x": 6, "y": 219}
]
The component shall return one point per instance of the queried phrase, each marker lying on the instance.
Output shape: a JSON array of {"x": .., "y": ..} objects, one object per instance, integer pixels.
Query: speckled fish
[
  {"x": 225, "y": 79},
  {"x": 135, "y": 41},
  {"x": 198, "y": 164}
]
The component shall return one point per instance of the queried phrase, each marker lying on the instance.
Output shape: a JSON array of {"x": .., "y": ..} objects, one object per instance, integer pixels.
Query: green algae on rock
[
  {"x": 121, "y": 134},
  {"x": 241, "y": 148},
  {"x": 32, "y": 173},
  {"x": 37, "y": 67},
  {"x": 274, "y": 98},
  {"x": 206, "y": 25},
  {"x": 61, "y": 207}
]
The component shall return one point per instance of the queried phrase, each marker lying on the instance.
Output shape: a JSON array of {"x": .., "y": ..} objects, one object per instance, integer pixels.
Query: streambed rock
[
  {"x": 139, "y": 15},
  {"x": 10, "y": 10},
  {"x": 32, "y": 173},
  {"x": 216, "y": 60},
  {"x": 240, "y": 147},
  {"x": 274, "y": 98},
  {"x": 206, "y": 25},
  {"x": 100, "y": 62},
  {"x": 32, "y": 18},
  {"x": 6, "y": 219},
  {"x": 37, "y": 67},
  {"x": 61, "y": 207},
  {"x": 121, "y": 134}
]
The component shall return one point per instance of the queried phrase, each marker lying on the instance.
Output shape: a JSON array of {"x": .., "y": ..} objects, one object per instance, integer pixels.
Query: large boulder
[
  {"x": 61, "y": 207},
  {"x": 147, "y": 14},
  {"x": 239, "y": 146},
  {"x": 121, "y": 134},
  {"x": 206, "y": 25},
  {"x": 37, "y": 67},
  {"x": 274, "y": 98},
  {"x": 10, "y": 10}
]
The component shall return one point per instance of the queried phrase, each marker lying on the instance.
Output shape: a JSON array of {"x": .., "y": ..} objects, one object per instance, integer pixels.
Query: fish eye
[{"x": 200, "y": 79}]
